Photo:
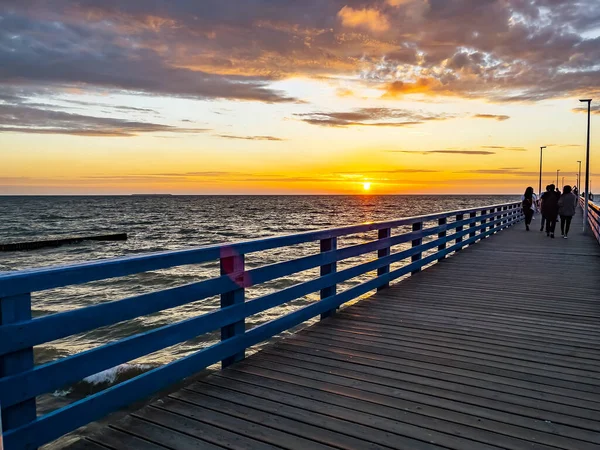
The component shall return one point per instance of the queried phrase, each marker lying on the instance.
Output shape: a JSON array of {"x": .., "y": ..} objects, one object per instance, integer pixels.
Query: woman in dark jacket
[
  {"x": 528, "y": 207},
  {"x": 567, "y": 204},
  {"x": 550, "y": 209}
]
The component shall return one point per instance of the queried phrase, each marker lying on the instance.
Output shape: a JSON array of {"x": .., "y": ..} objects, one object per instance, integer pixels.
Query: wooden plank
[
  {"x": 376, "y": 401},
  {"x": 433, "y": 353},
  {"x": 162, "y": 436},
  {"x": 256, "y": 432},
  {"x": 84, "y": 444},
  {"x": 119, "y": 440},
  {"x": 433, "y": 370},
  {"x": 440, "y": 413},
  {"x": 271, "y": 414},
  {"x": 424, "y": 376},
  {"x": 377, "y": 428},
  {"x": 560, "y": 364},
  {"x": 443, "y": 362},
  {"x": 205, "y": 432}
]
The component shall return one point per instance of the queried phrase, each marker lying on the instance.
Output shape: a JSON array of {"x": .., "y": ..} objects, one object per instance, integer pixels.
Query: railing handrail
[
  {"x": 21, "y": 381},
  {"x": 51, "y": 277},
  {"x": 593, "y": 217}
]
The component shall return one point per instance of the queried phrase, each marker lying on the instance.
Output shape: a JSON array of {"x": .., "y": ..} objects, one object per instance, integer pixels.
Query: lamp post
[
  {"x": 540, "y": 186},
  {"x": 579, "y": 180},
  {"x": 557, "y": 172},
  {"x": 587, "y": 164},
  {"x": 563, "y": 182}
]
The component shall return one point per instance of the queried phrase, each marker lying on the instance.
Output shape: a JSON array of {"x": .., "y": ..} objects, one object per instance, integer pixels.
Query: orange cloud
[
  {"x": 370, "y": 19},
  {"x": 420, "y": 86}
]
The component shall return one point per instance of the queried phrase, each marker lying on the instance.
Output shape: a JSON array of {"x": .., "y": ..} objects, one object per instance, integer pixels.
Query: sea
[{"x": 159, "y": 223}]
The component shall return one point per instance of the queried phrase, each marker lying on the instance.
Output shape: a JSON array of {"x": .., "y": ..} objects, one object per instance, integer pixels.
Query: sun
[{"x": 366, "y": 186}]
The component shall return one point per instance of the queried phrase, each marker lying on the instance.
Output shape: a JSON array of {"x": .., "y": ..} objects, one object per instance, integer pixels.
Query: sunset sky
[{"x": 295, "y": 96}]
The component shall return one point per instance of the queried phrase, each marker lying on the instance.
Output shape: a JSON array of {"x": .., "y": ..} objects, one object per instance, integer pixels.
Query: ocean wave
[{"x": 102, "y": 380}]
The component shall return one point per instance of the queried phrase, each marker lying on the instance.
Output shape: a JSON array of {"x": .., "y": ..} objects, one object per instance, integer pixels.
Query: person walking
[
  {"x": 567, "y": 204},
  {"x": 550, "y": 209},
  {"x": 541, "y": 208},
  {"x": 528, "y": 204}
]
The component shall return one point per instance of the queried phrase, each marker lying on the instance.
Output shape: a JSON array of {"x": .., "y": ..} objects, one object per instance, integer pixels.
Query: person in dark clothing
[
  {"x": 528, "y": 207},
  {"x": 567, "y": 204},
  {"x": 541, "y": 208},
  {"x": 550, "y": 209}
]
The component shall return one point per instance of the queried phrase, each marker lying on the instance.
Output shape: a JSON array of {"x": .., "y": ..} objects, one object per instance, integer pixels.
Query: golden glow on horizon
[{"x": 367, "y": 186}]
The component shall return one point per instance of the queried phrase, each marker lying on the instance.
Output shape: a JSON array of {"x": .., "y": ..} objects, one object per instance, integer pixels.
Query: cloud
[
  {"x": 250, "y": 138},
  {"x": 365, "y": 18},
  {"x": 510, "y": 149},
  {"x": 449, "y": 152},
  {"x": 60, "y": 54},
  {"x": 594, "y": 109},
  {"x": 371, "y": 117},
  {"x": 24, "y": 118},
  {"x": 504, "y": 51},
  {"x": 497, "y": 117}
]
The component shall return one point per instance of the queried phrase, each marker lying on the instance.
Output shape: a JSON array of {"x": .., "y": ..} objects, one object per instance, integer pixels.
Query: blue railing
[
  {"x": 22, "y": 381},
  {"x": 593, "y": 217}
]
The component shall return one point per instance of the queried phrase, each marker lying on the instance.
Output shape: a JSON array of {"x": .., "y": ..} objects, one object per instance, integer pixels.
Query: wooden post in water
[
  {"x": 442, "y": 234},
  {"x": 415, "y": 243},
  {"x": 459, "y": 218},
  {"x": 232, "y": 265},
  {"x": 13, "y": 309},
  {"x": 384, "y": 233},
  {"x": 328, "y": 245}
]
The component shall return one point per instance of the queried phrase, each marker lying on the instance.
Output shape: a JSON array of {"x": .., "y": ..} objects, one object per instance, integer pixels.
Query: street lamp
[
  {"x": 587, "y": 165},
  {"x": 540, "y": 187},
  {"x": 557, "y": 172},
  {"x": 579, "y": 180}
]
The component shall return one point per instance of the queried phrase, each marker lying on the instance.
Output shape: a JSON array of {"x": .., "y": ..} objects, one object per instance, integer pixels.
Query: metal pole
[
  {"x": 587, "y": 166},
  {"x": 557, "y": 172},
  {"x": 540, "y": 187},
  {"x": 563, "y": 182},
  {"x": 579, "y": 180}
]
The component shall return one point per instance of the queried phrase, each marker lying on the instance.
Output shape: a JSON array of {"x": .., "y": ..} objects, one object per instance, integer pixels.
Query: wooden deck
[{"x": 496, "y": 348}]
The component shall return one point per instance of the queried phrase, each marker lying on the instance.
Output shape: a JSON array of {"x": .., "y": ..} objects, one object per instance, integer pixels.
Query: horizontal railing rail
[
  {"x": 593, "y": 217},
  {"x": 432, "y": 238}
]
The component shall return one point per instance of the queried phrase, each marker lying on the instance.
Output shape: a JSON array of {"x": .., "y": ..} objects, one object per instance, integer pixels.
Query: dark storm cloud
[
  {"x": 371, "y": 117},
  {"x": 504, "y": 50}
]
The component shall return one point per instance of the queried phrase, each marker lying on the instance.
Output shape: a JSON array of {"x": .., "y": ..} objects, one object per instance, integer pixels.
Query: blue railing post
[
  {"x": 442, "y": 234},
  {"x": 505, "y": 217},
  {"x": 472, "y": 224},
  {"x": 232, "y": 265},
  {"x": 328, "y": 245},
  {"x": 16, "y": 309},
  {"x": 384, "y": 233},
  {"x": 415, "y": 243},
  {"x": 483, "y": 221},
  {"x": 459, "y": 217}
]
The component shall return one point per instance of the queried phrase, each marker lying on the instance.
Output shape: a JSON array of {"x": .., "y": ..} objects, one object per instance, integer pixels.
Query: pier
[{"x": 491, "y": 340}]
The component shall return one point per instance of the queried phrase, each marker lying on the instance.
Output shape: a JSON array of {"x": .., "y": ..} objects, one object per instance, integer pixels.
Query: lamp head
[{"x": 586, "y": 100}]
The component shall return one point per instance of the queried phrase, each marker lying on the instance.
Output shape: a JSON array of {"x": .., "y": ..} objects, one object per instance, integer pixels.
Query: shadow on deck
[{"x": 497, "y": 347}]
